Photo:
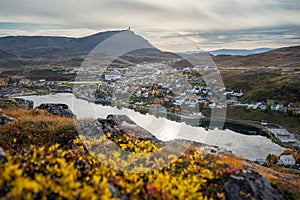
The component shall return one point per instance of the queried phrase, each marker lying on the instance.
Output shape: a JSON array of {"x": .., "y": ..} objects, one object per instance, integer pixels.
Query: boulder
[
  {"x": 250, "y": 185},
  {"x": 57, "y": 109},
  {"x": 24, "y": 102},
  {"x": 2, "y": 156},
  {"x": 120, "y": 124},
  {"x": 4, "y": 119},
  {"x": 90, "y": 129},
  {"x": 115, "y": 125}
]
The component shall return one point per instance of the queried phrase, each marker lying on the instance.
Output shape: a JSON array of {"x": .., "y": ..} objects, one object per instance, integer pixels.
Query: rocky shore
[
  {"x": 230, "y": 181},
  {"x": 57, "y": 109}
]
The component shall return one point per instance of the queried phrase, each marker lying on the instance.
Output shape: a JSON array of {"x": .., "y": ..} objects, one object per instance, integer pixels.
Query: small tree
[{"x": 272, "y": 159}]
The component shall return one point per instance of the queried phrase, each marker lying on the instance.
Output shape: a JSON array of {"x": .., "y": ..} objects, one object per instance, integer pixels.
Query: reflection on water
[{"x": 247, "y": 146}]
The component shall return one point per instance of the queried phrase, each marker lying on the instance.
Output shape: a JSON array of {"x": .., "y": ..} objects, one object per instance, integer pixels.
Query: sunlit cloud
[{"x": 216, "y": 22}]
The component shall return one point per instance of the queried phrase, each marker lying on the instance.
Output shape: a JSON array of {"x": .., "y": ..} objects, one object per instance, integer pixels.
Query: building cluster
[
  {"x": 28, "y": 87},
  {"x": 156, "y": 85},
  {"x": 182, "y": 91},
  {"x": 288, "y": 108},
  {"x": 283, "y": 135}
]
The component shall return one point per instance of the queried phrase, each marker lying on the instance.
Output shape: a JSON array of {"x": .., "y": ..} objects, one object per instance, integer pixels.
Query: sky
[{"x": 210, "y": 24}]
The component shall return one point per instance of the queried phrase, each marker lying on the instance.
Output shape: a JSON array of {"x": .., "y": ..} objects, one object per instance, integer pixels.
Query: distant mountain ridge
[
  {"x": 239, "y": 52},
  {"x": 16, "y": 51},
  {"x": 281, "y": 57}
]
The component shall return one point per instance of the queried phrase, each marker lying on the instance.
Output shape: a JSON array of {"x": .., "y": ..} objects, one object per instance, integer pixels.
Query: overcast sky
[{"x": 212, "y": 23}]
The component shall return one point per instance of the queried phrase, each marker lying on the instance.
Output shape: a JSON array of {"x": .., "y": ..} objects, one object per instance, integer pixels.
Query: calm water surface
[{"x": 248, "y": 146}]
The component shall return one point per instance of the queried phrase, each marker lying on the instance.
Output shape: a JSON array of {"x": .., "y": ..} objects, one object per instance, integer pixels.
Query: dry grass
[
  {"x": 36, "y": 127},
  {"x": 232, "y": 160},
  {"x": 35, "y": 115}
]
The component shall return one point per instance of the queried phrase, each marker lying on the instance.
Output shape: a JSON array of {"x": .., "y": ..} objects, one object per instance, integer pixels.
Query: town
[
  {"x": 146, "y": 87},
  {"x": 154, "y": 88}
]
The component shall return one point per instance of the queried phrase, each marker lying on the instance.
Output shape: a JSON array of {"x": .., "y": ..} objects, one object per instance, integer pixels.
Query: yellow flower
[
  {"x": 12, "y": 171},
  {"x": 220, "y": 195}
]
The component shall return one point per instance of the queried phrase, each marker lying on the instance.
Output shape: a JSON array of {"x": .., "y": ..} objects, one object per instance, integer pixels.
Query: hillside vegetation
[{"x": 47, "y": 159}]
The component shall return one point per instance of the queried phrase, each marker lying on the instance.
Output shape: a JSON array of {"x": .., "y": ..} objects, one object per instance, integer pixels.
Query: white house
[
  {"x": 109, "y": 77},
  {"x": 276, "y": 107},
  {"x": 139, "y": 103},
  {"x": 264, "y": 123},
  {"x": 287, "y": 160},
  {"x": 263, "y": 106},
  {"x": 237, "y": 94},
  {"x": 138, "y": 93}
]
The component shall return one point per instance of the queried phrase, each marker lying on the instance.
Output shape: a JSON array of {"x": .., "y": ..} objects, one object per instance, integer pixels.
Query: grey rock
[
  {"x": 2, "y": 156},
  {"x": 4, "y": 119},
  {"x": 116, "y": 192},
  {"x": 57, "y": 109},
  {"x": 119, "y": 124},
  {"x": 90, "y": 129},
  {"x": 24, "y": 102},
  {"x": 250, "y": 185}
]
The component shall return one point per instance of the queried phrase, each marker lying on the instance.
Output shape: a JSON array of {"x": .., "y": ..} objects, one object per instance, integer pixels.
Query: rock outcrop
[
  {"x": 57, "y": 109},
  {"x": 24, "y": 102},
  {"x": 4, "y": 119},
  {"x": 2, "y": 156},
  {"x": 90, "y": 129},
  {"x": 250, "y": 185},
  {"x": 115, "y": 125}
]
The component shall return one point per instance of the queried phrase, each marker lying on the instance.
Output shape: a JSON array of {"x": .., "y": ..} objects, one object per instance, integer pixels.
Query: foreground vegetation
[{"x": 47, "y": 160}]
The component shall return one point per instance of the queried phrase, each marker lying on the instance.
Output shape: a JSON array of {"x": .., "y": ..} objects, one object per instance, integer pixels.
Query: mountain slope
[
  {"x": 52, "y": 47},
  {"x": 270, "y": 75},
  {"x": 282, "y": 57},
  {"x": 5, "y": 55}
]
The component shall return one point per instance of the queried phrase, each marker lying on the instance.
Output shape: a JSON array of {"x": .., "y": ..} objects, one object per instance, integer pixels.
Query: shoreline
[
  {"x": 241, "y": 127},
  {"x": 244, "y": 127},
  {"x": 166, "y": 129}
]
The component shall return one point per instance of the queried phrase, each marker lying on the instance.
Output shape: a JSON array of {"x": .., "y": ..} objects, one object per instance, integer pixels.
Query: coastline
[
  {"x": 245, "y": 127},
  {"x": 251, "y": 147}
]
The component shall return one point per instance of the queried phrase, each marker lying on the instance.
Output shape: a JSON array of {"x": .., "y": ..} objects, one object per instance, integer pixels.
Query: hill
[
  {"x": 273, "y": 74},
  {"x": 50, "y": 47},
  {"x": 60, "y": 51},
  {"x": 280, "y": 58},
  {"x": 239, "y": 52}
]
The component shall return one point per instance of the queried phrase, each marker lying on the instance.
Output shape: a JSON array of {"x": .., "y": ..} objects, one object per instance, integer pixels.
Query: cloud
[
  {"x": 178, "y": 15},
  {"x": 277, "y": 36},
  {"x": 221, "y": 18}
]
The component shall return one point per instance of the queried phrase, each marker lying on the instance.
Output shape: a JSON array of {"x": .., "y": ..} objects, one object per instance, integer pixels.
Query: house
[
  {"x": 270, "y": 102},
  {"x": 264, "y": 123},
  {"x": 275, "y": 107},
  {"x": 145, "y": 94},
  {"x": 139, "y": 103},
  {"x": 294, "y": 108},
  {"x": 252, "y": 106},
  {"x": 287, "y": 160},
  {"x": 212, "y": 105},
  {"x": 138, "y": 93},
  {"x": 111, "y": 77},
  {"x": 237, "y": 94},
  {"x": 263, "y": 106},
  {"x": 261, "y": 161}
]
